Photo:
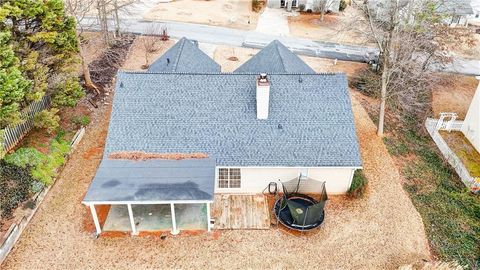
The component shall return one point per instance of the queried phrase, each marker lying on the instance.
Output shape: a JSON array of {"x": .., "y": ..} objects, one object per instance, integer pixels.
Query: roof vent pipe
[{"x": 263, "y": 96}]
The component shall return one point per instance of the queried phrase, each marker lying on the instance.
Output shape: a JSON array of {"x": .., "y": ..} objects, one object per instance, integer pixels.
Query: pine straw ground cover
[{"x": 382, "y": 230}]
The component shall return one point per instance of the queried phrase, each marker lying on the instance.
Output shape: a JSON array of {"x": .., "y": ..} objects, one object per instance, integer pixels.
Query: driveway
[{"x": 273, "y": 21}]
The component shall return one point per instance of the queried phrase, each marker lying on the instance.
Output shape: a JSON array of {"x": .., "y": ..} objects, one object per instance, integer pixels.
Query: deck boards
[{"x": 241, "y": 212}]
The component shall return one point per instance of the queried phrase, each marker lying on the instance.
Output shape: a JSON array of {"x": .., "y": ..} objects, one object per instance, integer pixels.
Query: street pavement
[{"x": 254, "y": 39}]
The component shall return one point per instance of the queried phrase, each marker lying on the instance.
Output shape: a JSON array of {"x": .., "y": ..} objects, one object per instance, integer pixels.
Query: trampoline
[{"x": 298, "y": 211}]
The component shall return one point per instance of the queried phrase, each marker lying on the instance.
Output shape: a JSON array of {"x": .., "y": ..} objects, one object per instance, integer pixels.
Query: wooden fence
[{"x": 12, "y": 135}]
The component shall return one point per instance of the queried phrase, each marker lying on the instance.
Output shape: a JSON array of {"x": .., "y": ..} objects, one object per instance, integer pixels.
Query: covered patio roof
[{"x": 152, "y": 182}]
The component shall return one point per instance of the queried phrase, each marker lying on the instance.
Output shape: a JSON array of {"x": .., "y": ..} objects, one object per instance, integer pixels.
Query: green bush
[
  {"x": 81, "y": 120},
  {"x": 359, "y": 184},
  {"x": 46, "y": 170},
  {"x": 68, "y": 93},
  {"x": 42, "y": 167},
  {"x": 47, "y": 119},
  {"x": 15, "y": 187},
  {"x": 25, "y": 156},
  {"x": 343, "y": 5}
]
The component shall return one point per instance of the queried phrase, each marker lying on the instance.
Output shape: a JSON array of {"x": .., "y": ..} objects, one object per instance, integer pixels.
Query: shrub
[
  {"x": 15, "y": 184},
  {"x": 46, "y": 170},
  {"x": 68, "y": 93},
  {"x": 359, "y": 184},
  {"x": 47, "y": 119},
  {"x": 343, "y": 5},
  {"x": 301, "y": 7},
  {"x": 257, "y": 5},
  {"x": 81, "y": 120},
  {"x": 25, "y": 157},
  {"x": 41, "y": 167},
  {"x": 368, "y": 82}
]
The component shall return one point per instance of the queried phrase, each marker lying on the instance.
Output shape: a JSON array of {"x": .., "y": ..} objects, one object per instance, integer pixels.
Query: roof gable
[
  {"x": 184, "y": 56},
  {"x": 275, "y": 58}
]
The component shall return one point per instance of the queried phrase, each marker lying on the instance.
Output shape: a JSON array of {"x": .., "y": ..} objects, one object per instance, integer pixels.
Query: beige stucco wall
[
  {"x": 471, "y": 124},
  {"x": 256, "y": 179}
]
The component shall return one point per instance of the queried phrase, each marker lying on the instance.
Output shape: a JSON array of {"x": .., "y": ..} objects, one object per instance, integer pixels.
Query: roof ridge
[
  {"x": 179, "y": 53},
  {"x": 224, "y": 73},
  {"x": 276, "y": 42}
]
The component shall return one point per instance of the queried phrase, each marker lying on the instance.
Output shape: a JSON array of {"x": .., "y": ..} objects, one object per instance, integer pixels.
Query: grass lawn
[{"x": 451, "y": 213}]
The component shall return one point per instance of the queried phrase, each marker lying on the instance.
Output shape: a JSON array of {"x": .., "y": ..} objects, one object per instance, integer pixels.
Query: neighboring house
[
  {"x": 475, "y": 17},
  {"x": 458, "y": 11},
  {"x": 332, "y": 5},
  {"x": 471, "y": 124},
  {"x": 273, "y": 119}
]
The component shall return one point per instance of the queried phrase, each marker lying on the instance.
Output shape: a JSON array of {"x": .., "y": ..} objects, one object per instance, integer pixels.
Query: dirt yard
[
  {"x": 338, "y": 28},
  {"x": 454, "y": 94},
  {"x": 382, "y": 230},
  {"x": 229, "y": 13}
]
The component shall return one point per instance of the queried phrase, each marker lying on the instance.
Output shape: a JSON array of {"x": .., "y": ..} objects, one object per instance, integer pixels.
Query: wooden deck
[{"x": 241, "y": 212}]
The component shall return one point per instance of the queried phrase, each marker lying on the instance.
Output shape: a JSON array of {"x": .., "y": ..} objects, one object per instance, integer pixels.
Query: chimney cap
[{"x": 263, "y": 77}]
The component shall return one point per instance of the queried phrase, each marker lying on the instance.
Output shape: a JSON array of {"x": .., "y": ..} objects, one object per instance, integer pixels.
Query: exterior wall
[
  {"x": 273, "y": 3},
  {"x": 255, "y": 180},
  {"x": 471, "y": 124}
]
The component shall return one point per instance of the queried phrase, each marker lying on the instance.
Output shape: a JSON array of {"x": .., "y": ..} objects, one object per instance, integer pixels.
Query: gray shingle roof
[
  {"x": 184, "y": 56},
  {"x": 310, "y": 121},
  {"x": 153, "y": 180},
  {"x": 275, "y": 58}
]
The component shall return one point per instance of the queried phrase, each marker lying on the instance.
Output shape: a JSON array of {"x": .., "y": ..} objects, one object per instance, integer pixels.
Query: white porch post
[
  {"x": 95, "y": 219},
  {"x": 132, "y": 221},
  {"x": 174, "y": 222},
  {"x": 208, "y": 217}
]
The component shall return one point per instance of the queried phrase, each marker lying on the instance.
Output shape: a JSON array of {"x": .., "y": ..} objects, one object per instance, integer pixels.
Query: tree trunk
[
  {"x": 322, "y": 15},
  {"x": 117, "y": 19},
  {"x": 103, "y": 20},
  {"x": 86, "y": 72},
  {"x": 383, "y": 99}
]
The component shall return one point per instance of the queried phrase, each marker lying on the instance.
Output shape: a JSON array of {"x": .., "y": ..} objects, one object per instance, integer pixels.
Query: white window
[{"x": 229, "y": 178}]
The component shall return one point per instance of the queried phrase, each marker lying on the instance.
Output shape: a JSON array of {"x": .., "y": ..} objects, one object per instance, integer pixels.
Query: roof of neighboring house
[
  {"x": 153, "y": 181},
  {"x": 456, "y": 7},
  {"x": 275, "y": 58},
  {"x": 310, "y": 121},
  {"x": 184, "y": 56}
]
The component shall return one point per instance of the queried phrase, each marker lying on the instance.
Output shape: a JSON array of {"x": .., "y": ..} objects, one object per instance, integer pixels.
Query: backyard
[
  {"x": 380, "y": 230},
  {"x": 449, "y": 211}
]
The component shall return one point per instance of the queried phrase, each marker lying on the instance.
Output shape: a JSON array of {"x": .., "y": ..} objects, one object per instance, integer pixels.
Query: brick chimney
[{"x": 263, "y": 96}]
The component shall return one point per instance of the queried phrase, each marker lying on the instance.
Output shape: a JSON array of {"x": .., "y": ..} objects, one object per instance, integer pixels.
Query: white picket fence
[
  {"x": 471, "y": 182},
  {"x": 12, "y": 135}
]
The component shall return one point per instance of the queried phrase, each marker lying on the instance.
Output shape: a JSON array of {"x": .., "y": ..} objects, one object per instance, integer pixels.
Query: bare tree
[
  {"x": 412, "y": 43},
  {"x": 322, "y": 6},
  {"x": 79, "y": 9},
  {"x": 151, "y": 41}
]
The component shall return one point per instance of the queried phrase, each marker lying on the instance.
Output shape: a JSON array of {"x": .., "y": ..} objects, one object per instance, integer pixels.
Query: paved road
[{"x": 253, "y": 39}]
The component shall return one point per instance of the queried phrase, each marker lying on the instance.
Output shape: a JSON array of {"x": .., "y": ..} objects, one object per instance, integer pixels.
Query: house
[
  {"x": 175, "y": 138},
  {"x": 332, "y": 5},
  {"x": 458, "y": 11},
  {"x": 471, "y": 125},
  {"x": 475, "y": 17}
]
